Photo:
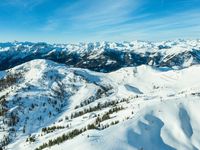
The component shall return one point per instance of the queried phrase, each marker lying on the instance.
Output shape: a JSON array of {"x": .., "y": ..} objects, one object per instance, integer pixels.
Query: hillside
[{"x": 44, "y": 103}]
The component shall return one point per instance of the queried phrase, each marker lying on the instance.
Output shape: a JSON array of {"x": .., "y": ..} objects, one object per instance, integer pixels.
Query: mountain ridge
[
  {"x": 48, "y": 99},
  {"x": 104, "y": 56},
  {"x": 58, "y": 96}
]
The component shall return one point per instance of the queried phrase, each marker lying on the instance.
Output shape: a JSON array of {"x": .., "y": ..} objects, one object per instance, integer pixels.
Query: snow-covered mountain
[
  {"x": 44, "y": 104},
  {"x": 58, "y": 104},
  {"x": 104, "y": 56}
]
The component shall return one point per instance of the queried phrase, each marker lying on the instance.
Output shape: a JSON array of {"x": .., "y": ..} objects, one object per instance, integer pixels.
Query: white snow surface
[{"x": 161, "y": 110}]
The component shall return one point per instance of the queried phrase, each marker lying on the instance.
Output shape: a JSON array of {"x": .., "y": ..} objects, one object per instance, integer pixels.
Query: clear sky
[{"x": 66, "y": 21}]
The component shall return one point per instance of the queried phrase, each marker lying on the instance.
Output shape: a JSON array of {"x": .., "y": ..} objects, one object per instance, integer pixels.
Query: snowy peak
[{"x": 104, "y": 56}]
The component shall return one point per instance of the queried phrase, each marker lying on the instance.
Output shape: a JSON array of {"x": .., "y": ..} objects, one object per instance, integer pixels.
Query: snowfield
[
  {"x": 170, "y": 125},
  {"x": 47, "y": 105}
]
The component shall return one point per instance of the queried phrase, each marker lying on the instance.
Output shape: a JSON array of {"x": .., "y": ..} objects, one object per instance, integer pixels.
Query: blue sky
[{"x": 69, "y": 21}]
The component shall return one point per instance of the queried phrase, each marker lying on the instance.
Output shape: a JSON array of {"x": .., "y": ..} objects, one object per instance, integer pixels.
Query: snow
[
  {"x": 158, "y": 126},
  {"x": 26, "y": 50},
  {"x": 160, "y": 112},
  {"x": 83, "y": 94}
]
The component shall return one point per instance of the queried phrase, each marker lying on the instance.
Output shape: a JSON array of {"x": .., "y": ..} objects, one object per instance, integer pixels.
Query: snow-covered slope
[
  {"x": 104, "y": 56},
  {"x": 169, "y": 125},
  {"x": 44, "y": 103}
]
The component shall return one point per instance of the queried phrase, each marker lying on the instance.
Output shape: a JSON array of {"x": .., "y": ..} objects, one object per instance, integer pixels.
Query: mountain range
[
  {"x": 124, "y": 96},
  {"x": 104, "y": 56}
]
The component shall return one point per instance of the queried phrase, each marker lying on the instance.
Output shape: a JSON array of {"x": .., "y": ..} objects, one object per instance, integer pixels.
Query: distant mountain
[{"x": 104, "y": 56}]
